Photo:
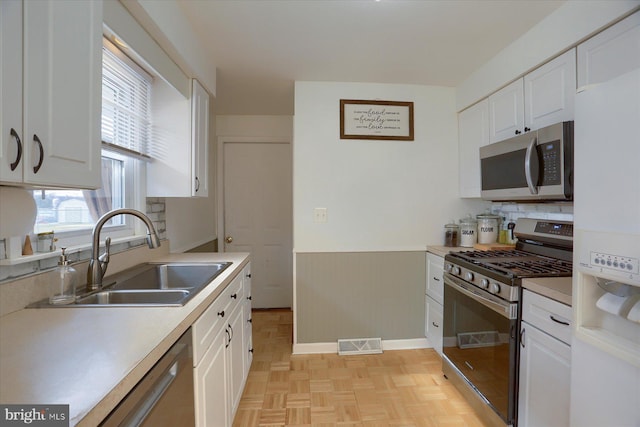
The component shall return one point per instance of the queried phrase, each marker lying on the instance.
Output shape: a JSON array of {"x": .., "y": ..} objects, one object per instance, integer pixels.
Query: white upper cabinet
[
  {"x": 180, "y": 162},
  {"x": 549, "y": 92},
  {"x": 51, "y": 93},
  {"x": 506, "y": 112},
  {"x": 541, "y": 98},
  {"x": 199, "y": 139},
  {"x": 473, "y": 133},
  {"x": 611, "y": 53}
]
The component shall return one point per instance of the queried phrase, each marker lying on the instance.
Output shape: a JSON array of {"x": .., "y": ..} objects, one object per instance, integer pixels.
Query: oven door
[{"x": 480, "y": 342}]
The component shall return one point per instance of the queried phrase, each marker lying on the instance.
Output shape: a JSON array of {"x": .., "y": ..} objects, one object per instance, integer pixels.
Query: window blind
[{"x": 126, "y": 103}]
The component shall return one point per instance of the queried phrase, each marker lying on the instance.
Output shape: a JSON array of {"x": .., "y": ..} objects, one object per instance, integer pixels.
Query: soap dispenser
[{"x": 62, "y": 289}]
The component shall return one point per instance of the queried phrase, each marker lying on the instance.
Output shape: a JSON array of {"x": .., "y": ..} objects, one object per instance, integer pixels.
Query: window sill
[{"x": 73, "y": 252}]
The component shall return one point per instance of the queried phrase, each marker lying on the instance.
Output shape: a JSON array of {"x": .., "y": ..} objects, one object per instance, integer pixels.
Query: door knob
[{"x": 228, "y": 239}]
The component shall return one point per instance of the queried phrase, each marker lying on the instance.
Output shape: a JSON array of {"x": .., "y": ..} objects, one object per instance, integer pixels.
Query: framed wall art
[{"x": 385, "y": 120}]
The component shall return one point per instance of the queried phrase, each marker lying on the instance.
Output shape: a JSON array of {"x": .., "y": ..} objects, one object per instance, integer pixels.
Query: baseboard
[{"x": 332, "y": 347}]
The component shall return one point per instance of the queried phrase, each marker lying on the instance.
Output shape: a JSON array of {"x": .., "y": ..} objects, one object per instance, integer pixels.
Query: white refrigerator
[{"x": 605, "y": 371}]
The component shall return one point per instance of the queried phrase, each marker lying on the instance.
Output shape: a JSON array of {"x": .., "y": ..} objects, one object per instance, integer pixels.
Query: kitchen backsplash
[
  {"x": 551, "y": 211},
  {"x": 155, "y": 210}
]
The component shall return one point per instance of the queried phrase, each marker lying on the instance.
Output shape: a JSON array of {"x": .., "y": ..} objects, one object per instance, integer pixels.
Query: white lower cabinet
[
  {"x": 433, "y": 301},
  {"x": 221, "y": 341},
  {"x": 545, "y": 363},
  {"x": 433, "y": 323}
]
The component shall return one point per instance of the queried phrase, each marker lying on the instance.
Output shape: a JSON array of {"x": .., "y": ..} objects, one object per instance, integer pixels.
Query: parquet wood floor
[{"x": 395, "y": 388}]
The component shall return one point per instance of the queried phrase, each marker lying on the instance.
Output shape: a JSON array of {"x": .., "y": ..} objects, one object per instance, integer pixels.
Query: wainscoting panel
[{"x": 359, "y": 295}]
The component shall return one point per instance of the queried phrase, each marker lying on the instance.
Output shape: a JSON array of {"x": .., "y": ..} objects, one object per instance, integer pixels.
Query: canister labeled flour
[
  {"x": 468, "y": 230},
  {"x": 487, "y": 228}
]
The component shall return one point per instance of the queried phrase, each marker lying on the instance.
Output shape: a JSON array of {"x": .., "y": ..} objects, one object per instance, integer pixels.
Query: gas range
[{"x": 544, "y": 249}]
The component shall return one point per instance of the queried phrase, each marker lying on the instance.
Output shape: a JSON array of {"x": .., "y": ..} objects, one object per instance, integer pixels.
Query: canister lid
[
  {"x": 451, "y": 225},
  {"x": 468, "y": 220},
  {"x": 487, "y": 216}
]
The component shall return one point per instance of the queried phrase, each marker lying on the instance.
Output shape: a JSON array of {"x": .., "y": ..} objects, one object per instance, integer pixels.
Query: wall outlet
[{"x": 320, "y": 215}]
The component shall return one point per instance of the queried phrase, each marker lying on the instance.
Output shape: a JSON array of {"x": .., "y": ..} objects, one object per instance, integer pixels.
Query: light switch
[{"x": 320, "y": 215}]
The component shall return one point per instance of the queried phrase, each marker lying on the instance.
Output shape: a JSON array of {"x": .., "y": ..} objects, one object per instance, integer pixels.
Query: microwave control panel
[{"x": 549, "y": 153}]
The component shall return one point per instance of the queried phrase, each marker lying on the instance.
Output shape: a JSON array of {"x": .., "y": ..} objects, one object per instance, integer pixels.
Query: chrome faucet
[{"x": 98, "y": 263}]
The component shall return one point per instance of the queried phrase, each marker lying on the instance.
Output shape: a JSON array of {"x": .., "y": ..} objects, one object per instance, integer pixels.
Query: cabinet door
[
  {"x": 211, "y": 384},
  {"x": 199, "y": 139},
  {"x": 473, "y": 133},
  {"x": 236, "y": 358},
  {"x": 545, "y": 380},
  {"x": 610, "y": 53},
  {"x": 62, "y": 92},
  {"x": 549, "y": 92},
  {"x": 433, "y": 323},
  {"x": 11, "y": 148},
  {"x": 506, "y": 112},
  {"x": 435, "y": 282}
]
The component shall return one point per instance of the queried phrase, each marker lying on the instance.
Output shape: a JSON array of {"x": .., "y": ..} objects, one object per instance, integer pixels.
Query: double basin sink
[{"x": 149, "y": 284}]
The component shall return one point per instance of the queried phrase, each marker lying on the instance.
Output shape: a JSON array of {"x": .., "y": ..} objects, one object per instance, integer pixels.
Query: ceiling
[{"x": 260, "y": 47}]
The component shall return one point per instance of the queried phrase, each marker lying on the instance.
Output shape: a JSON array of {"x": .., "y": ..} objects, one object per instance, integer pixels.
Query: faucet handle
[{"x": 104, "y": 258}]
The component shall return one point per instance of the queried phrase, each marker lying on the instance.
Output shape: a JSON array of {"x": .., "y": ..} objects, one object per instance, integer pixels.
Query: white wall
[
  {"x": 568, "y": 25},
  {"x": 380, "y": 195}
]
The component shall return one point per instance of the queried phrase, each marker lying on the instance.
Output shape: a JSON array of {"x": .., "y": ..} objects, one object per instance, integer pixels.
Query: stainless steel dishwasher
[{"x": 164, "y": 396}]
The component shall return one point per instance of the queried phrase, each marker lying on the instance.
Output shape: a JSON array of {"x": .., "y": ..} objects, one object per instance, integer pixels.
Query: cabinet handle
[
  {"x": 221, "y": 313},
  {"x": 558, "y": 321},
  {"x": 526, "y": 129},
  {"x": 36, "y": 168},
  {"x": 231, "y": 329},
  {"x": 15, "y": 164},
  {"x": 435, "y": 324},
  {"x": 228, "y": 336},
  {"x": 234, "y": 296},
  {"x": 436, "y": 279},
  {"x": 518, "y": 132},
  {"x": 197, "y": 184},
  {"x": 522, "y": 337}
]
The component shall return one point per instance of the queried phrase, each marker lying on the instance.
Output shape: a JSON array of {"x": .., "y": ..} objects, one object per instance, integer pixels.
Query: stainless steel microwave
[{"x": 535, "y": 166}]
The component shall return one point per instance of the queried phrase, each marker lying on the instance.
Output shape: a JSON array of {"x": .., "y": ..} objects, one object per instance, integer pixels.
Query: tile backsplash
[{"x": 551, "y": 211}]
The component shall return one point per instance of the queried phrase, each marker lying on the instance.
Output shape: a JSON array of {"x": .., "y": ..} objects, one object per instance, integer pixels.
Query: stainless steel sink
[
  {"x": 167, "y": 276},
  {"x": 136, "y": 298},
  {"x": 148, "y": 285}
]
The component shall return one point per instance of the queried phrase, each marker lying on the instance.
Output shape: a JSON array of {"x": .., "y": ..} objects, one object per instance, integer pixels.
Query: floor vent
[
  {"x": 478, "y": 339},
  {"x": 360, "y": 346}
]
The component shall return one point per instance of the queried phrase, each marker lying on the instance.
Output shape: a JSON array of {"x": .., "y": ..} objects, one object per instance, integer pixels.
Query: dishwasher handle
[{"x": 146, "y": 406}]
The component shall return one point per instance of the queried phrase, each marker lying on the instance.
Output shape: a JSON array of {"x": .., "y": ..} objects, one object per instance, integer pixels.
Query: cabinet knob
[
  {"x": 228, "y": 239},
  {"x": 518, "y": 132},
  {"x": 526, "y": 129},
  {"x": 221, "y": 313},
  {"x": 249, "y": 297},
  {"x": 249, "y": 275},
  {"x": 15, "y": 164},
  {"x": 250, "y": 350},
  {"x": 234, "y": 296}
]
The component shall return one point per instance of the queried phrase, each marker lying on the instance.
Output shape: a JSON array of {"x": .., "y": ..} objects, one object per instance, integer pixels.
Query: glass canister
[
  {"x": 487, "y": 228},
  {"x": 468, "y": 230},
  {"x": 451, "y": 233}
]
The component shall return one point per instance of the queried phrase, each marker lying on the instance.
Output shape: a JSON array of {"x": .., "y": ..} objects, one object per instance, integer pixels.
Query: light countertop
[
  {"x": 556, "y": 288},
  {"x": 90, "y": 358},
  {"x": 443, "y": 250}
]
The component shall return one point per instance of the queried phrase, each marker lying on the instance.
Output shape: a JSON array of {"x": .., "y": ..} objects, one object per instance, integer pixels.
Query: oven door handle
[{"x": 505, "y": 309}]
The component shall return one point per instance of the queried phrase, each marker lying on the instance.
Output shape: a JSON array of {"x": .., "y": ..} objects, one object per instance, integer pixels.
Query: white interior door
[{"x": 258, "y": 217}]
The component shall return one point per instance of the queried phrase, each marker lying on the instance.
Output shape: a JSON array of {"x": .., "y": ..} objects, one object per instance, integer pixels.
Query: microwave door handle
[{"x": 531, "y": 167}]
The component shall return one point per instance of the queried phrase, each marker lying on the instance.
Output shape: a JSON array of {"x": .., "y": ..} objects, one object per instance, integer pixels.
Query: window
[{"x": 126, "y": 118}]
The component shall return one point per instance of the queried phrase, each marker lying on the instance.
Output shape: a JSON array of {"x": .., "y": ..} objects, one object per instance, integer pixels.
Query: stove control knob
[
  {"x": 456, "y": 270},
  {"x": 484, "y": 283},
  {"x": 469, "y": 276},
  {"x": 448, "y": 267},
  {"x": 495, "y": 288}
]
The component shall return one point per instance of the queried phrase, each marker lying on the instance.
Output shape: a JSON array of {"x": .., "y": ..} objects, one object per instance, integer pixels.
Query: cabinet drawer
[
  {"x": 548, "y": 315},
  {"x": 435, "y": 283}
]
